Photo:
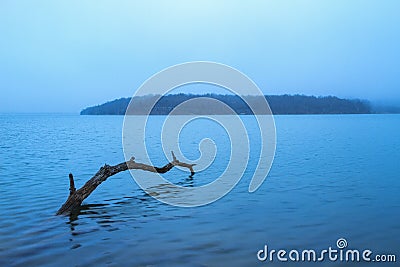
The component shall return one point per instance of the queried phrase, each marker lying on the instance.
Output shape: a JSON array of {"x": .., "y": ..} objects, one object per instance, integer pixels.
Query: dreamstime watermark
[
  {"x": 339, "y": 253},
  {"x": 211, "y": 73}
]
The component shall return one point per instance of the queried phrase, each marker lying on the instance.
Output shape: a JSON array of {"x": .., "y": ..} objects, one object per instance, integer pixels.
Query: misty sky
[{"x": 61, "y": 56}]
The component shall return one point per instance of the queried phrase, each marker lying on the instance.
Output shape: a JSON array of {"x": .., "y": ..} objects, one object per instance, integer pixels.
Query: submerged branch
[{"x": 76, "y": 197}]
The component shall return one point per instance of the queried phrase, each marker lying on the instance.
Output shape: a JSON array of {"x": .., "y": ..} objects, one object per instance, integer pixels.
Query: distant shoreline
[{"x": 279, "y": 104}]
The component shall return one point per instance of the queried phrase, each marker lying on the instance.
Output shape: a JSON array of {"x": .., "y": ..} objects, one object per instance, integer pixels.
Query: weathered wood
[
  {"x": 76, "y": 197},
  {"x": 72, "y": 188}
]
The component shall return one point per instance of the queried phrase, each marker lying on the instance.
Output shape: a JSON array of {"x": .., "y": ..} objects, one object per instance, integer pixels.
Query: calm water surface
[{"x": 333, "y": 176}]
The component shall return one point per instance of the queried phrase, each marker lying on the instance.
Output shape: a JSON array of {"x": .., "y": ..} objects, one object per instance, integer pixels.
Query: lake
[{"x": 333, "y": 176}]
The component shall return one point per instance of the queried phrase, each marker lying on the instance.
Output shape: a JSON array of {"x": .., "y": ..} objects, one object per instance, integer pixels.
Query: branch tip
[
  {"x": 173, "y": 156},
  {"x": 72, "y": 188}
]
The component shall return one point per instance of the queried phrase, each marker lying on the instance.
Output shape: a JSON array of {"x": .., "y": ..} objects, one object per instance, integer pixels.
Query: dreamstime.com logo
[
  {"x": 339, "y": 253},
  {"x": 210, "y": 73}
]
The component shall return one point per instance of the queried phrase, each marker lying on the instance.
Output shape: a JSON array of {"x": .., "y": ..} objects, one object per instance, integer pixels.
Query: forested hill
[{"x": 280, "y": 104}]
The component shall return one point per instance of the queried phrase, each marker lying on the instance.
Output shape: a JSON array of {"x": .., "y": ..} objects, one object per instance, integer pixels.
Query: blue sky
[{"x": 61, "y": 56}]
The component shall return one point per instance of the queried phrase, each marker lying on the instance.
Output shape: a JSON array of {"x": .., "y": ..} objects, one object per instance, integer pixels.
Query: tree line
[{"x": 279, "y": 104}]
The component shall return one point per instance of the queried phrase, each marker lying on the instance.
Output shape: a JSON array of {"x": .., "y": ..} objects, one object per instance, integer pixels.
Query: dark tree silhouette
[{"x": 279, "y": 104}]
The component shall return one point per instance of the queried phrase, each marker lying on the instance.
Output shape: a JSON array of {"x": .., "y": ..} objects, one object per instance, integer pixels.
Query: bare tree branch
[{"x": 76, "y": 197}]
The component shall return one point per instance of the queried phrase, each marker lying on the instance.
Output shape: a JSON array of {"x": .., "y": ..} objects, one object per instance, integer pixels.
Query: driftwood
[{"x": 76, "y": 197}]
